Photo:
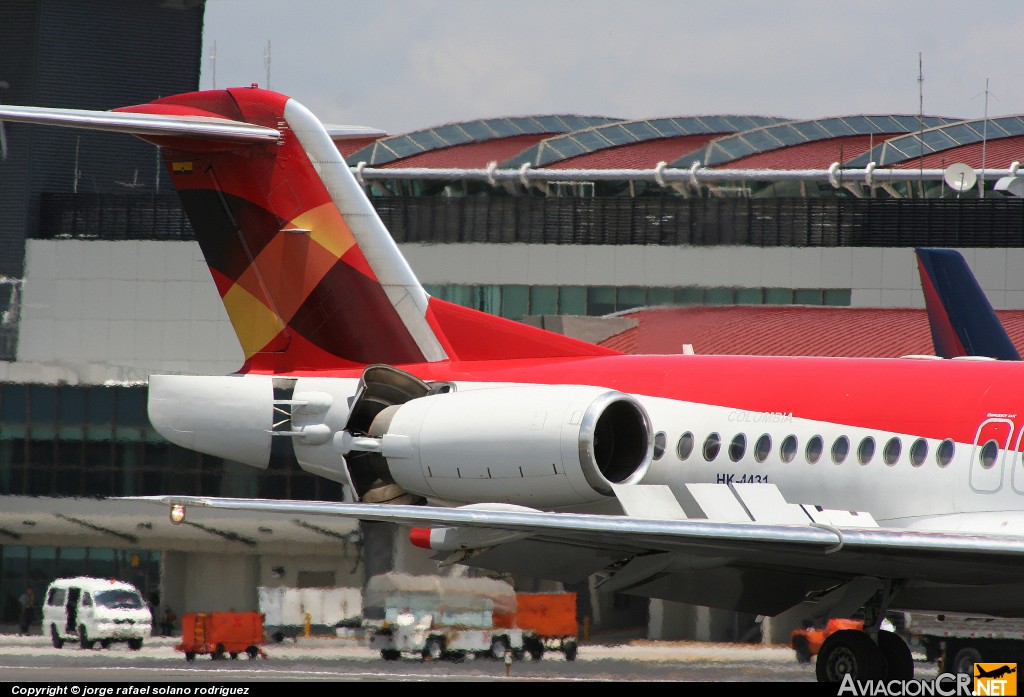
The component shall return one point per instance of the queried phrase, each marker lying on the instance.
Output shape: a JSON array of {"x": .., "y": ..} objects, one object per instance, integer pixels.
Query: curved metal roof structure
[
  {"x": 940, "y": 137},
  {"x": 619, "y": 133},
  {"x": 779, "y": 135},
  {"x": 398, "y": 147}
]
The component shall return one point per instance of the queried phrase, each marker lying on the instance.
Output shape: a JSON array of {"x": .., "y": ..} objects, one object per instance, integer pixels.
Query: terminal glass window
[
  {"x": 630, "y": 297},
  {"x": 543, "y": 300},
  {"x": 515, "y": 302},
  {"x": 600, "y": 301},
  {"x": 67, "y": 440},
  {"x": 572, "y": 300}
]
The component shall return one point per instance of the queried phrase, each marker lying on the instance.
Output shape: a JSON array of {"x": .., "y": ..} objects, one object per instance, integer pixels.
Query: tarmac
[{"x": 604, "y": 647}]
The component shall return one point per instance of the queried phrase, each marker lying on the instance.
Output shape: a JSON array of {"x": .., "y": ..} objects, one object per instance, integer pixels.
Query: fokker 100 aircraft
[{"x": 749, "y": 483}]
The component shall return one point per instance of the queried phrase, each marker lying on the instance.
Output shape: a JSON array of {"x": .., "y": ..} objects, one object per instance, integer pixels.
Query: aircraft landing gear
[
  {"x": 899, "y": 662},
  {"x": 871, "y": 654},
  {"x": 849, "y": 651},
  {"x": 852, "y": 651}
]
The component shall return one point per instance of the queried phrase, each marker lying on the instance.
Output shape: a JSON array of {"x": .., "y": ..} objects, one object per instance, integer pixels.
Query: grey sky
[{"x": 403, "y": 65}]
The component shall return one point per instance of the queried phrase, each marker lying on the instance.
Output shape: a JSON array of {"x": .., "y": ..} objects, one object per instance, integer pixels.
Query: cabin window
[
  {"x": 866, "y": 450},
  {"x": 737, "y": 447},
  {"x": 712, "y": 444},
  {"x": 659, "y": 444},
  {"x": 685, "y": 446},
  {"x": 891, "y": 451},
  {"x": 814, "y": 448},
  {"x": 788, "y": 450},
  {"x": 944, "y": 453},
  {"x": 988, "y": 454},
  {"x": 918, "y": 452},
  {"x": 840, "y": 449},
  {"x": 763, "y": 447}
]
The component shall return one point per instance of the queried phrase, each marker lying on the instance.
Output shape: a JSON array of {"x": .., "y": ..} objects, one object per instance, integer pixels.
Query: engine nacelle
[
  {"x": 238, "y": 416},
  {"x": 227, "y": 416},
  {"x": 547, "y": 446}
]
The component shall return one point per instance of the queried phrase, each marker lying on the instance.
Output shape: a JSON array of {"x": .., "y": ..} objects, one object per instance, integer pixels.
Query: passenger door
[
  {"x": 85, "y": 610},
  {"x": 71, "y": 609},
  {"x": 1015, "y": 462}
]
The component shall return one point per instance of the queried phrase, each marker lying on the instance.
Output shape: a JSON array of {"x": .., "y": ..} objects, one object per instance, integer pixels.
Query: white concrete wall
[
  {"x": 878, "y": 277},
  {"x": 94, "y": 311},
  {"x": 135, "y": 307}
]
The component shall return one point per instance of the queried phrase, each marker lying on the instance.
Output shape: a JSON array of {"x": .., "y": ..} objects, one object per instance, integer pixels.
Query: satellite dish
[{"x": 960, "y": 177}]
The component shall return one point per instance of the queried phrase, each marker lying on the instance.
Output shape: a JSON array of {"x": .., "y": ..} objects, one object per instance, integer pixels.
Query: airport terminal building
[{"x": 567, "y": 221}]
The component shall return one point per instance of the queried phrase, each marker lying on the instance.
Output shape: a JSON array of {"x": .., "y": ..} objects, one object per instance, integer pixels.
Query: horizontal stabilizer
[
  {"x": 345, "y": 132},
  {"x": 191, "y": 126}
]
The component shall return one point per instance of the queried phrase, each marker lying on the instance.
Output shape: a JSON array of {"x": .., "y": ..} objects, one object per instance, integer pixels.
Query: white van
[{"x": 90, "y": 610}]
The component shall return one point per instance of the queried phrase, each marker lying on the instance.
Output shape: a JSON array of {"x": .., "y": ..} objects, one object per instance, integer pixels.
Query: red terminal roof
[{"x": 789, "y": 330}]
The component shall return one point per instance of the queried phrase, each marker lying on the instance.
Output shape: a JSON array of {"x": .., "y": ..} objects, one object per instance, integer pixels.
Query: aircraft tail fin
[
  {"x": 310, "y": 277},
  {"x": 961, "y": 318}
]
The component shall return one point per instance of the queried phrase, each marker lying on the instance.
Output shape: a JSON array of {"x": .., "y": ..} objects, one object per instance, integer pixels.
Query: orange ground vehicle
[
  {"x": 222, "y": 634},
  {"x": 548, "y": 621},
  {"x": 808, "y": 640}
]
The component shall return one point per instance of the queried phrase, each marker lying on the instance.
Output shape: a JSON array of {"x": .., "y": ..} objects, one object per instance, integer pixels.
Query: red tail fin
[
  {"x": 309, "y": 275},
  {"x": 298, "y": 254}
]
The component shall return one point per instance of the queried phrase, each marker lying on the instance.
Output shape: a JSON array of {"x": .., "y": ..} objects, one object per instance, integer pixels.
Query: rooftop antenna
[
  {"x": 920, "y": 113},
  {"x": 984, "y": 141},
  {"x": 213, "y": 65},
  {"x": 266, "y": 62}
]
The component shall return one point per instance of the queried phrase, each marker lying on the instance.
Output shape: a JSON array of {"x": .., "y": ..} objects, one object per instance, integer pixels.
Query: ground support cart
[{"x": 221, "y": 635}]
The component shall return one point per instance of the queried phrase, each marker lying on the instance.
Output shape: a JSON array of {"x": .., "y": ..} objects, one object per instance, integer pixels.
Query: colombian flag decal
[{"x": 181, "y": 167}]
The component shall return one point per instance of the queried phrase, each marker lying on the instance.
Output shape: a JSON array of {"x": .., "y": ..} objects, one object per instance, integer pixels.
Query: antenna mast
[
  {"x": 920, "y": 114},
  {"x": 213, "y": 65},
  {"x": 266, "y": 62},
  {"x": 984, "y": 142}
]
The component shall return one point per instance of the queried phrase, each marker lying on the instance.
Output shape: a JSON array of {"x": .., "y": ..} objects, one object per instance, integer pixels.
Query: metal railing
[{"x": 609, "y": 220}]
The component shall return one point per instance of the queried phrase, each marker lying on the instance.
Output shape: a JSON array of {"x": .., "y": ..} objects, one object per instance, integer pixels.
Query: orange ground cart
[
  {"x": 222, "y": 634},
  {"x": 807, "y": 640},
  {"x": 548, "y": 621}
]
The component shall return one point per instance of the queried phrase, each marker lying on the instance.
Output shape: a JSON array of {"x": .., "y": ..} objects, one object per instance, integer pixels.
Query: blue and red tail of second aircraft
[{"x": 962, "y": 320}]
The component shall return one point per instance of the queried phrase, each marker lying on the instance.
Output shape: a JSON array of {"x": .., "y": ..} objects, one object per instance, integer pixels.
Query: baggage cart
[{"x": 221, "y": 635}]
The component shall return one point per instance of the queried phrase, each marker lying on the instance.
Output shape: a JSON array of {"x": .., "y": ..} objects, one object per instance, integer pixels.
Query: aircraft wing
[{"x": 764, "y": 568}]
